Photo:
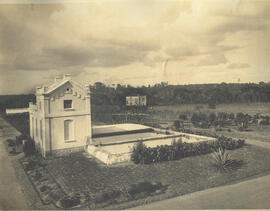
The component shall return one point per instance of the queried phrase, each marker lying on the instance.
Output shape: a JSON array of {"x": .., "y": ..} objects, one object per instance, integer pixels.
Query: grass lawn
[{"x": 79, "y": 174}]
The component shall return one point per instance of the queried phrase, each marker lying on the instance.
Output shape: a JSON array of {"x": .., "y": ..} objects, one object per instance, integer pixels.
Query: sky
[{"x": 128, "y": 42}]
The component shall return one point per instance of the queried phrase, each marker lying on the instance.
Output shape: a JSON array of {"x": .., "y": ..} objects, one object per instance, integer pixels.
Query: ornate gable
[{"x": 63, "y": 87}]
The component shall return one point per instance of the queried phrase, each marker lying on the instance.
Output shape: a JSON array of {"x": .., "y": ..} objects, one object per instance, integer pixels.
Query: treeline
[
  {"x": 15, "y": 101},
  {"x": 163, "y": 94}
]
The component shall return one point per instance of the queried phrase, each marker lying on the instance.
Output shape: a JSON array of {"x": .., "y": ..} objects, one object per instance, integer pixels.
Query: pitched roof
[{"x": 53, "y": 86}]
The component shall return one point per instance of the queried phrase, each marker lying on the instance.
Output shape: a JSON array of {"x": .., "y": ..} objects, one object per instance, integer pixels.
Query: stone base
[{"x": 65, "y": 152}]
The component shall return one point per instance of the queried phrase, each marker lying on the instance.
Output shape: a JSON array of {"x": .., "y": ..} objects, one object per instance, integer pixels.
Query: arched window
[{"x": 68, "y": 130}]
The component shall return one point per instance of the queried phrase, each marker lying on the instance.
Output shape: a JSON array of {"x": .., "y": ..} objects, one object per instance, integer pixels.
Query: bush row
[{"x": 142, "y": 154}]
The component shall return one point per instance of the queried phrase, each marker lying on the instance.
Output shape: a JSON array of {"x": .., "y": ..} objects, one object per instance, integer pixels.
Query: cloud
[
  {"x": 120, "y": 38},
  {"x": 210, "y": 60},
  {"x": 238, "y": 65},
  {"x": 240, "y": 24}
]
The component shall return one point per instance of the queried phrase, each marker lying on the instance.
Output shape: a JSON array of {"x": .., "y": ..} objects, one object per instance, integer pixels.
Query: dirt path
[{"x": 11, "y": 195}]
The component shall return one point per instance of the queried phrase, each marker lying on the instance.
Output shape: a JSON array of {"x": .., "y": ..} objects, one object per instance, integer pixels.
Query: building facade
[{"x": 60, "y": 121}]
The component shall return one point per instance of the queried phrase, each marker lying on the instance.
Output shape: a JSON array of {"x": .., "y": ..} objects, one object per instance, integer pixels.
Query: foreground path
[
  {"x": 250, "y": 194},
  {"x": 258, "y": 143},
  {"x": 11, "y": 195}
]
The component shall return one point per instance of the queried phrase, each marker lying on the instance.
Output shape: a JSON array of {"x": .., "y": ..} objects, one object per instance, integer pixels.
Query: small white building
[
  {"x": 136, "y": 100},
  {"x": 60, "y": 121}
]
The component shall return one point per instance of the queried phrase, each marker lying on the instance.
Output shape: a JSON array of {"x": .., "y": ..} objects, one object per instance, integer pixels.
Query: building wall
[
  {"x": 37, "y": 128},
  {"x": 56, "y": 103},
  {"x": 47, "y": 119},
  {"x": 82, "y": 129}
]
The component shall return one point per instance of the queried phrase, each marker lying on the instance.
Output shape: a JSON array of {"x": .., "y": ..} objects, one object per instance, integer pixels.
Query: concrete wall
[{"x": 107, "y": 157}]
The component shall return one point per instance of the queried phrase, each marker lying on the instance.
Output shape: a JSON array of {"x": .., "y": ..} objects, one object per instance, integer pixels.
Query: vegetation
[
  {"x": 142, "y": 154},
  {"x": 99, "y": 186},
  {"x": 15, "y": 101},
  {"x": 163, "y": 94},
  {"x": 221, "y": 159},
  {"x": 28, "y": 147}
]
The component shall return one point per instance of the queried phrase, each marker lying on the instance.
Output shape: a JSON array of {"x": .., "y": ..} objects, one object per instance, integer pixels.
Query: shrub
[
  {"x": 183, "y": 116},
  {"x": 142, "y": 154},
  {"x": 29, "y": 147},
  {"x": 70, "y": 201},
  {"x": 10, "y": 142},
  {"x": 144, "y": 187},
  {"x": 221, "y": 159},
  {"x": 139, "y": 153}
]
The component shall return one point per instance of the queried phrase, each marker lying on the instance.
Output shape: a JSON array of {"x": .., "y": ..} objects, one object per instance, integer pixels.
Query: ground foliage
[{"x": 141, "y": 154}]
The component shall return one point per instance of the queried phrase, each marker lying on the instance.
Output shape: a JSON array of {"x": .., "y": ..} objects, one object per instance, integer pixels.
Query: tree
[{"x": 242, "y": 121}]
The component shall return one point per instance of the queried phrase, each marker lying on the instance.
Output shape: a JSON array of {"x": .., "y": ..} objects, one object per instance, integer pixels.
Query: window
[
  {"x": 68, "y": 90},
  {"x": 67, "y": 104},
  {"x": 68, "y": 130}
]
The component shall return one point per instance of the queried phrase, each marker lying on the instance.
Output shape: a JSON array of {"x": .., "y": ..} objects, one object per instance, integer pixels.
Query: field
[
  {"x": 249, "y": 108},
  {"x": 258, "y": 133},
  {"x": 254, "y": 132}
]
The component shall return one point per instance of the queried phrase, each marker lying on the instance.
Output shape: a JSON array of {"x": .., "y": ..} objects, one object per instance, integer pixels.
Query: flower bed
[{"x": 46, "y": 187}]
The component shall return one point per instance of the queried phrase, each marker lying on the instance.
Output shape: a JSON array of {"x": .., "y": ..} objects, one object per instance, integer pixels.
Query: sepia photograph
[{"x": 132, "y": 104}]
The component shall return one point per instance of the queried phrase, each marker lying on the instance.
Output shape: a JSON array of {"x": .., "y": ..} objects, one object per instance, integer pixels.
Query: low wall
[
  {"x": 118, "y": 152},
  {"x": 107, "y": 157}
]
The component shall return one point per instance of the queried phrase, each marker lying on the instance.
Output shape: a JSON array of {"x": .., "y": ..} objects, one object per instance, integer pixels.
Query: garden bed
[{"x": 92, "y": 185}]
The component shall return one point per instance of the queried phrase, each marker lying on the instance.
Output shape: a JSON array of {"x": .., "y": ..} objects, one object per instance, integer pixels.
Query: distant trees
[{"x": 163, "y": 94}]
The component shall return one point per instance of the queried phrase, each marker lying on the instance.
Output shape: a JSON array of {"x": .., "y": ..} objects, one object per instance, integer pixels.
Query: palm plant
[{"x": 221, "y": 159}]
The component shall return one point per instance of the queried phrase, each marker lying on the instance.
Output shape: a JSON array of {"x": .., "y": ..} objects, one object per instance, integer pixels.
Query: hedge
[{"x": 141, "y": 154}]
